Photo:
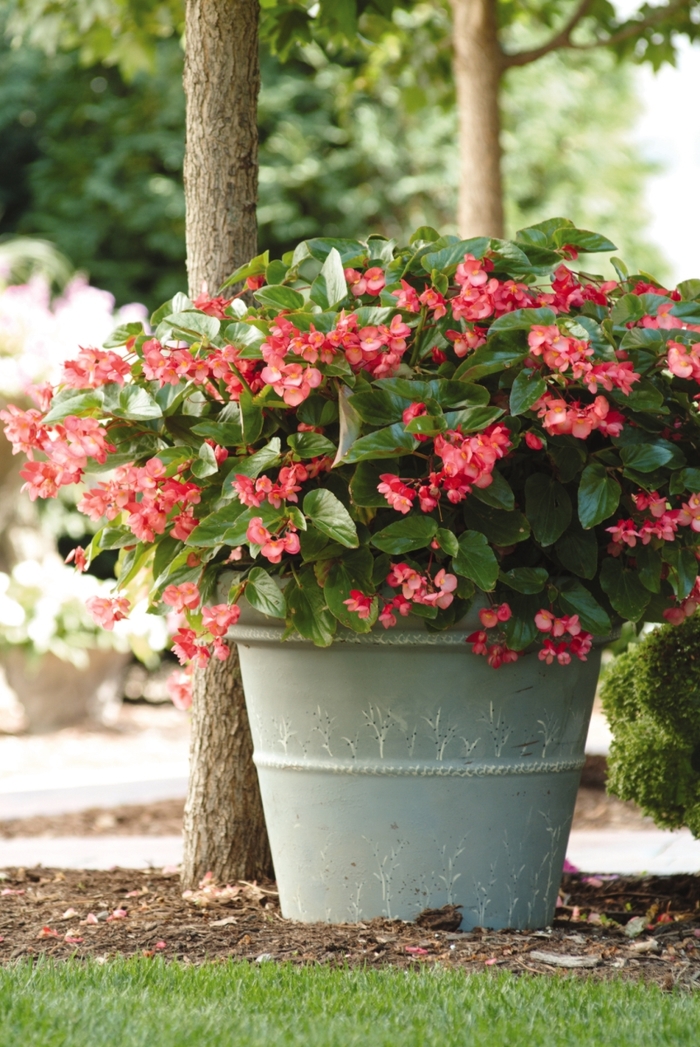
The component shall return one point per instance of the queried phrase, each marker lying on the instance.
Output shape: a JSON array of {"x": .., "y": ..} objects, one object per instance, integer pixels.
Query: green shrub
[{"x": 651, "y": 696}]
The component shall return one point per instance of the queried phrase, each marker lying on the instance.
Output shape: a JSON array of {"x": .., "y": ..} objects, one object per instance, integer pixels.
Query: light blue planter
[{"x": 399, "y": 772}]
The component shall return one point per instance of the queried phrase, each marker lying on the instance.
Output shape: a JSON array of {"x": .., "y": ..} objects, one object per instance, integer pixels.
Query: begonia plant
[{"x": 387, "y": 431}]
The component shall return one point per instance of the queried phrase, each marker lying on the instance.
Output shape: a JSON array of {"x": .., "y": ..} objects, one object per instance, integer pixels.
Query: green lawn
[{"x": 146, "y": 1003}]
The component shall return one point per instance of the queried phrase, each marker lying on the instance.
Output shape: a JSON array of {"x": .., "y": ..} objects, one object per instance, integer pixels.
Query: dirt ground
[{"x": 122, "y": 912}]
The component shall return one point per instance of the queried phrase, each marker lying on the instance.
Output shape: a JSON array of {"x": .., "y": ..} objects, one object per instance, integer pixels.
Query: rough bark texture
[
  {"x": 478, "y": 65},
  {"x": 224, "y": 827},
  {"x": 222, "y": 80}
]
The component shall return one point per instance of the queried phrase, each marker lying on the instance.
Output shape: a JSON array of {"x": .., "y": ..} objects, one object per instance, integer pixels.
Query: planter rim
[{"x": 454, "y": 638}]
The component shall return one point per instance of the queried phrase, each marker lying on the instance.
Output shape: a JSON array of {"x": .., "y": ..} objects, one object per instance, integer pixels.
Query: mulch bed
[
  {"x": 594, "y": 810},
  {"x": 66, "y": 913}
]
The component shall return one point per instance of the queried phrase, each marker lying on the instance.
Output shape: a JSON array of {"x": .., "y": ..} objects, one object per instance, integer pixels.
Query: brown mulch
[
  {"x": 160, "y": 818},
  {"x": 594, "y": 810},
  {"x": 44, "y": 912}
]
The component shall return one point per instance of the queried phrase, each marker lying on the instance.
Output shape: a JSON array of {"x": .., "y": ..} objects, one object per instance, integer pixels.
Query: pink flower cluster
[
  {"x": 216, "y": 621},
  {"x": 468, "y": 461},
  {"x": 498, "y": 653},
  {"x": 562, "y": 353},
  {"x": 106, "y": 611},
  {"x": 254, "y": 493},
  {"x": 559, "y": 417},
  {"x": 93, "y": 368},
  {"x": 579, "y": 642},
  {"x": 286, "y": 351},
  {"x": 67, "y": 448},
  {"x": 663, "y": 524},
  {"x": 169, "y": 366},
  {"x": 684, "y": 362},
  {"x": 371, "y": 282},
  {"x": 272, "y": 547},
  {"x": 416, "y": 588},
  {"x": 149, "y": 497}
]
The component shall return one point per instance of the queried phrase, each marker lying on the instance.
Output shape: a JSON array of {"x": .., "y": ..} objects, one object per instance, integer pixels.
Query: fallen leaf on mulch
[{"x": 555, "y": 959}]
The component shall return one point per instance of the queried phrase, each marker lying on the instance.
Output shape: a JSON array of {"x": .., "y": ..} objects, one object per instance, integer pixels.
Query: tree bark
[
  {"x": 478, "y": 65},
  {"x": 222, "y": 81},
  {"x": 224, "y": 825},
  {"x": 224, "y": 829}
]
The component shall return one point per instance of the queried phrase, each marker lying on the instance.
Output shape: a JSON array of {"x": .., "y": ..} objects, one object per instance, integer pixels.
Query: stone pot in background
[{"x": 55, "y": 694}]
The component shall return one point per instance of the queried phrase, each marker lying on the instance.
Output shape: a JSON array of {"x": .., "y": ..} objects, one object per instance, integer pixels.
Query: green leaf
[
  {"x": 473, "y": 419},
  {"x": 501, "y": 528},
  {"x": 684, "y": 569},
  {"x": 569, "y": 456},
  {"x": 644, "y": 397},
  {"x": 355, "y": 572},
  {"x": 391, "y": 442},
  {"x": 490, "y": 359},
  {"x": 330, "y": 288},
  {"x": 527, "y": 388},
  {"x": 649, "y": 564},
  {"x": 132, "y": 402},
  {"x": 645, "y": 457},
  {"x": 254, "y": 267},
  {"x": 267, "y": 457},
  {"x": 377, "y": 406},
  {"x": 520, "y": 629},
  {"x": 428, "y": 424},
  {"x": 686, "y": 480},
  {"x": 72, "y": 401},
  {"x": 225, "y": 434},
  {"x": 547, "y": 507},
  {"x": 277, "y": 297},
  {"x": 311, "y": 445},
  {"x": 329, "y": 515},
  {"x": 205, "y": 464},
  {"x": 194, "y": 325},
  {"x": 624, "y": 589},
  {"x": 598, "y": 495},
  {"x": 412, "y": 532},
  {"x": 523, "y": 320},
  {"x": 307, "y": 610},
  {"x": 114, "y": 538},
  {"x": 447, "y": 541},
  {"x": 576, "y": 599},
  {"x": 243, "y": 336},
  {"x": 350, "y": 425},
  {"x": 251, "y": 416},
  {"x": 449, "y": 257},
  {"x": 211, "y": 530},
  {"x": 581, "y": 238},
  {"x": 525, "y": 579},
  {"x": 122, "y": 334},
  {"x": 476, "y": 560},
  {"x": 264, "y": 594},
  {"x": 321, "y": 246},
  {"x": 166, "y": 551},
  {"x": 236, "y": 534},
  {"x": 363, "y": 486},
  {"x": 578, "y": 553},
  {"x": 498, "y": 494},
  {"x": 447, "y": 393}
]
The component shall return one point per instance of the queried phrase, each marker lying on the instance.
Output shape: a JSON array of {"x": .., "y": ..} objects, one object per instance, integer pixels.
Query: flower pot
[
  {"x": 399, "y": 772},
  {"x": 54, "y": 693}
]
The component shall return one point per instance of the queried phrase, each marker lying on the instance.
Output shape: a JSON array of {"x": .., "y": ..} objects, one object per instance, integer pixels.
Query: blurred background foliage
[{"x": 362, "y": 140}]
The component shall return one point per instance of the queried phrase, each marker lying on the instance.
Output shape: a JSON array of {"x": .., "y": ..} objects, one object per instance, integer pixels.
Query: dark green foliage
[
  {"x": 94, "y": 165},
  {"x": 651, "y": 696}
]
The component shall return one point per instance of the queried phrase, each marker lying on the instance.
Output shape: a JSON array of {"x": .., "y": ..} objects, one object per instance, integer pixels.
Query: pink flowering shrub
[{"x": 393, "y": 432}]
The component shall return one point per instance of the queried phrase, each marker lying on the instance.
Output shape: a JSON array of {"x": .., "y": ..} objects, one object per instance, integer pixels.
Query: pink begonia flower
[
  {"x": 179, "y": 686},
  {"x": 179, "y": 597},
  {"x": 106, "y": 611},
  {"x": 78, "y": 557},
  {"x": 533, "y": 441},
  {"x": 407, "y": 298},
  {"x": 492, "y": 616},
  {"x": 218, "y": 618},
  {"x": 359, "y": 604},
  {"x": 257, "y": 533}
]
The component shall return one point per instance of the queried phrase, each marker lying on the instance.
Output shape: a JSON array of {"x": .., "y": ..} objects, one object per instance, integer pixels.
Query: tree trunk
[
  {"x": 224, "y": 825},
  {"x": 478, "y": 65},
  {"x": 224, "y": 830},
  {"x": 222, "y": 81}
]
